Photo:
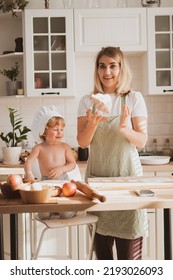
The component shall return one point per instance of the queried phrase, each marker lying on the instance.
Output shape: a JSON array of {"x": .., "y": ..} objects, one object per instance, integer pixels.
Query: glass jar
[{"x": 150, "y": 3}]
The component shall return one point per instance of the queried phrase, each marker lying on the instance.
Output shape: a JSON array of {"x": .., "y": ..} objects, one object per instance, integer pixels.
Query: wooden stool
[{"x": 55, "y": 223}]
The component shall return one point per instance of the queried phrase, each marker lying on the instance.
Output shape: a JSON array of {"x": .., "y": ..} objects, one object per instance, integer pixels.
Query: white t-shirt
[{"x": 134, "y": 100}]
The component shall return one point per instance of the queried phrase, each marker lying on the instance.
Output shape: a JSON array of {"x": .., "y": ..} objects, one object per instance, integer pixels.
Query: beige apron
[{"x": 116, "y": 157}]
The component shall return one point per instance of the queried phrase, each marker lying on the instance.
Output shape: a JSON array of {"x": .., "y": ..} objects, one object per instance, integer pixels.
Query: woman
[{"x": 113, "y": 139}]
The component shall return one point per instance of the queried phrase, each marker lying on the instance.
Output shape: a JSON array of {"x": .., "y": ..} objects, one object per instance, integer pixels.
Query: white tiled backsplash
[{"x": 160, "y": 108}]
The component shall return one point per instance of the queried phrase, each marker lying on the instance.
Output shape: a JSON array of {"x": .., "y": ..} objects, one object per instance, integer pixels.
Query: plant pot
[
  {"x": 12, "y": 87},
  {"x": 11, "y": 155}
]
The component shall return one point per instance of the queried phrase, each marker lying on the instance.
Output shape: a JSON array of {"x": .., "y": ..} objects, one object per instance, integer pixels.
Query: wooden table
[
  {"x": 120, "y": 196},
  {"x": 6, "y": 170}
]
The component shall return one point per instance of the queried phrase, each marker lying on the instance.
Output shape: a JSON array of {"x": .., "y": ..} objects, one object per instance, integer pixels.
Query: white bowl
[{"x": 154, "y": 160}]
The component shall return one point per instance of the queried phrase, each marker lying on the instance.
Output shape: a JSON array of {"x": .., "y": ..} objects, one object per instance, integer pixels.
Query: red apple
[
  {"x": 15, "y": 181},
  {"x": 69, "y": 189}
]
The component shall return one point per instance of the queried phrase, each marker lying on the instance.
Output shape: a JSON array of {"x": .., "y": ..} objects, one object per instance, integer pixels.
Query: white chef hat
[{"x": 40, "y": 120}]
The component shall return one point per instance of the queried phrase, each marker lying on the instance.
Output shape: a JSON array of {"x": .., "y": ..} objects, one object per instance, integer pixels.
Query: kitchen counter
[
  {"x": 158, "y": 168},
  {"x": 146, "y": 168},
  {"x": 18, "y": 169},
  {"x": 11, "y": 169}
]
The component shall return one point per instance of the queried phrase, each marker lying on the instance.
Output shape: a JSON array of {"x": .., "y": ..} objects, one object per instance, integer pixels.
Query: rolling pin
[{"x": 88, "y": 191}]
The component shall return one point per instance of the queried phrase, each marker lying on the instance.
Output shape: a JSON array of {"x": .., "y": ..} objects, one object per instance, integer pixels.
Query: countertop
[
  {"x": 82, "y": 167},
  {"x": 146, "y": 168},
  {"x": 158, "y": 168}
]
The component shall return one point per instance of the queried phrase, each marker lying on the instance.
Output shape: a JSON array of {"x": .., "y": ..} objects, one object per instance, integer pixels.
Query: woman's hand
[
  {"x": 137, "y": 135},
  {"x": 94, "y": 118},
  {"x": 124, "y": 117},
  {"x": 87, "y": 127}
]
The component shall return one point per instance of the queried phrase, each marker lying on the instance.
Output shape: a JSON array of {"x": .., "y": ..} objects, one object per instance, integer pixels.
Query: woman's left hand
[{"x": 125, "y": 115}]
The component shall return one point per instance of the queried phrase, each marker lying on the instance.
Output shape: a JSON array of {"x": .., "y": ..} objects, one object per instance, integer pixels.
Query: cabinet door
[
  {"x": 49, "y": 52},
  {"x": 96, "y": 28},
  {"x": 149, "y": 246},
  {"x": 160, "y": 51}
]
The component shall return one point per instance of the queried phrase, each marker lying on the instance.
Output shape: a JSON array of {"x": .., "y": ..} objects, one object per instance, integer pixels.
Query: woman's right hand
[
  {"x": 87, "y": 127},
  {"x": 94, "y": 118}
]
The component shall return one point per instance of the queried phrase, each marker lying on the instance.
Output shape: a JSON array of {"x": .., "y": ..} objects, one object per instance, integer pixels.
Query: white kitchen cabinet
[
  {"x": 149, "y": 244},
  {"x": 153, "y": 247},
  {"x": 10, "y": 29},
  {"x": 49, "y": 54},
  {"x": 153, "y": 244},
  {"x": 97, "y": 28},
  {"x": 160, "y": 51}
]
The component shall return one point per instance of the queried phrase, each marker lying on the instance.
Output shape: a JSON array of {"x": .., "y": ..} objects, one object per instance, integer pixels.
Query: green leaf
[{"x": 18, "y": 133}]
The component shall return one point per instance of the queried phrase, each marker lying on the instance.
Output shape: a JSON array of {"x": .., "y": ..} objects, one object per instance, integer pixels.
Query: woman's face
[{"x": 108, "y": 71}]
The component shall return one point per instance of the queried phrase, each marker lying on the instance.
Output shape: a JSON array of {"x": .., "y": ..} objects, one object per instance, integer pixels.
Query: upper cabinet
[
  {"x": 160, "y": 51},
  {"x": 97, "y": 28},
  {"x": 11, "y": 32},
  {"x": 49, "y": 55}
]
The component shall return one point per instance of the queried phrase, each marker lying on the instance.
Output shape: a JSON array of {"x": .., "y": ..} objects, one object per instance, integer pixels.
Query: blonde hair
[
  {"x": 53, "y": 122},
  {"x": 125, "y": 76}
]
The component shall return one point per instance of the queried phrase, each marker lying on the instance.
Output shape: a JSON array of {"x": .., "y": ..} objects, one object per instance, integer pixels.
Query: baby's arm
[
  {"x": 71, "y": 162},
  {"x": 29, "y": 163}
]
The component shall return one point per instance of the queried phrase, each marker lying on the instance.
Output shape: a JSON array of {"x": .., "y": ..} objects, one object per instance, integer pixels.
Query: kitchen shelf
[
  {"x": 11, "y": 55},
  {"x": 9, "y": 15}
]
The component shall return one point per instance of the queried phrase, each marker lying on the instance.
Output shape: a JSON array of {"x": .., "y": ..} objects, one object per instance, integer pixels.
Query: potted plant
[
  {"x": 12, "y": 85},
  {"x": 12, "y": 6},
  {"x": 13, "y": 139}
]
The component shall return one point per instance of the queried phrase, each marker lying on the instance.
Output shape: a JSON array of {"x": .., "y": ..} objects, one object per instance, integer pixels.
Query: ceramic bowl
[{"x": 39, "y": 195}]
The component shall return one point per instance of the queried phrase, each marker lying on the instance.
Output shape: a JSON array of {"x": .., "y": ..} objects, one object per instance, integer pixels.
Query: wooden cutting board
[{"x": 131, "y": 183}]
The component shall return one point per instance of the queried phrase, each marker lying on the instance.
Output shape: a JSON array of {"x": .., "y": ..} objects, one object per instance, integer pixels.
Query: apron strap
[{"x": 123, "y": 101}]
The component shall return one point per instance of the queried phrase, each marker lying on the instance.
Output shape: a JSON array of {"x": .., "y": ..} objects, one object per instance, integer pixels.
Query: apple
[
  {"x": 69, "y": 189},
  {"x": 15, "y": 181}
]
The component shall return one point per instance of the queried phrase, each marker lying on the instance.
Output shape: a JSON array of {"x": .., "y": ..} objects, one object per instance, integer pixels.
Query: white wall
[{"x": 160, "y": 109}]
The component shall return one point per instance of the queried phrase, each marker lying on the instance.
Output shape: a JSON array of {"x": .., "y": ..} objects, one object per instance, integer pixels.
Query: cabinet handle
[
  {"x": 43, "y": 93},
  {"x": 168, "y": 90}
]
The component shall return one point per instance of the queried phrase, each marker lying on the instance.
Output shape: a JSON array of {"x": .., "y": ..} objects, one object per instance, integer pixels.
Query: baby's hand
[
  {"x": 55, "y": 173},
  {"x": 29, "y": 177}
]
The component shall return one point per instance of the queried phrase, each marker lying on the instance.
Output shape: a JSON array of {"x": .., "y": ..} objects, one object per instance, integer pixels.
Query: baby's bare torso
[{"x": 51, "y": 156}]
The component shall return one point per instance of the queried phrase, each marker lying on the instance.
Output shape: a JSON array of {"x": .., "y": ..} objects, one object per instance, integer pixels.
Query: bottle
[
  {"x": 167, "y": 143},
  {"x": 166, "y": 150},
  {"x": 155, "y": 145}
]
